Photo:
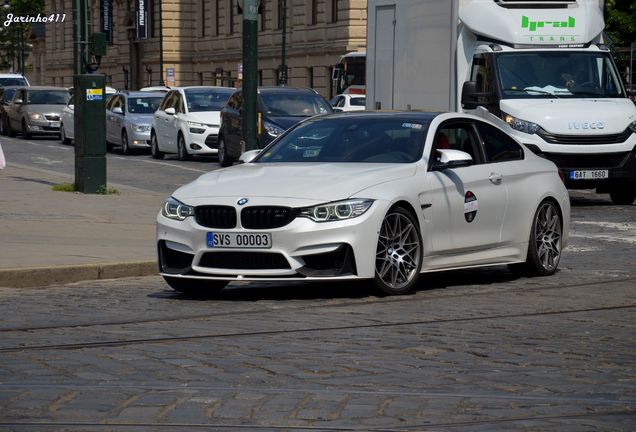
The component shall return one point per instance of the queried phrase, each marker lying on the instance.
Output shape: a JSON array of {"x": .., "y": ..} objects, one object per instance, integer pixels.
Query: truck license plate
[
  {"x": 588, "y": 174},
  {"x": 239, "y": 240}
]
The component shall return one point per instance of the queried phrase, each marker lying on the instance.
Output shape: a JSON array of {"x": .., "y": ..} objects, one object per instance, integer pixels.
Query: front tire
[
  {"x": 224, "y": 159},
  {"x": 195, "y": 287},
  {"x": 25, "y": 130},
  {"x": 544, "y": 246},
  {"x": 154, "y": 148},
  {"x": 125, "y": 146},
  {"x": 624, "y": 195},
  {"x": 182, "y": 151},
  {"x": 398, "y": 258},
  {"x": 63, "y": 137}
]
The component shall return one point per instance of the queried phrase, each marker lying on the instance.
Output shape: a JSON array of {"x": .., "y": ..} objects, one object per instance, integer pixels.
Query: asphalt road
[
  {"x": 478, "y": 350},
  {"x": 136, "y": 170}
]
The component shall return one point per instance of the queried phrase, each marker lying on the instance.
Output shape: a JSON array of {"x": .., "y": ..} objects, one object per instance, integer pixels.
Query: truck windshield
[{"x": 563, "y": 74}]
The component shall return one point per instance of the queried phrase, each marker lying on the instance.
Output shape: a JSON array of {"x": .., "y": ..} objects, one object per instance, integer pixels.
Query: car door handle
[{"x": 495, "y": 178}]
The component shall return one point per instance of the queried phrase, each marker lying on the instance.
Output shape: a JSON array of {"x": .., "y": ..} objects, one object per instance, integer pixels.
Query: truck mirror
[
  {"x": 335, "y": 73},
  {"x": 469, "y": 95}
]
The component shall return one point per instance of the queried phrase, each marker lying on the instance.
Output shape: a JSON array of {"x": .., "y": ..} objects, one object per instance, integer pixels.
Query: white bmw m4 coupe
[{"x": 383, "y": 196}]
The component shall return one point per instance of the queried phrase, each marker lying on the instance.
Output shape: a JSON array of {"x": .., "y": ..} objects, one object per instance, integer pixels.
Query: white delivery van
[{"x": 537, "y": 68}]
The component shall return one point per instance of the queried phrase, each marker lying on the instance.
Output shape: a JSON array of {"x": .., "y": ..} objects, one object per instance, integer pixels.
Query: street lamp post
[
  {"x": 282, "y": 70},
  {"x": 161, "y": 81},
  {"x": 250, "y": 68}
]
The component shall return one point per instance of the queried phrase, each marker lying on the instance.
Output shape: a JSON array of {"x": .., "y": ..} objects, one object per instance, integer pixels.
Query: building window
[
  {"x": 334, "y": 11},
  {"x": 200, "y": 16},
  {"x": 310, "y": 77},
  {"x": 259, "y": 79},
  {"x": 281, "y": 11},
  {"x": 216, "y": 17},
  {"x": 314, "y": 12},
  {"x": 230, "y": 16},
  {"x": 263, "y": 17}
]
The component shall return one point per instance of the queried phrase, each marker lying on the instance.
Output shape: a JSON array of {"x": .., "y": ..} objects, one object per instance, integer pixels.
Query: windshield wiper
[{"x": 541, "y": 92}]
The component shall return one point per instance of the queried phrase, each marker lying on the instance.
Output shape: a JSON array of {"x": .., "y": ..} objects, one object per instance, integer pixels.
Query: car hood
[
  {"x": 314, "y": 183},
  {"x": 44, "y": 109},
  {"x": 574, "y": 116},
  {"x": 285, "y": 122},
  {"x": 206, "y": 117},
  {"x": 143, "y": 119}
]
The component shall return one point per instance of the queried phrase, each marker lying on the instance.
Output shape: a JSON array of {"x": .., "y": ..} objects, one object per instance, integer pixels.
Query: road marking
[
  {"x": 60, "y": 148},
  {"x": 46, "y": 161},
  {"x": 163, "y": 163},
  {"x": 624, "y": 232}
]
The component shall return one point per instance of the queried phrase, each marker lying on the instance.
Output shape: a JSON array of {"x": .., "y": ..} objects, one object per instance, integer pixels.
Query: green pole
[{"x": 250, "y": 68}]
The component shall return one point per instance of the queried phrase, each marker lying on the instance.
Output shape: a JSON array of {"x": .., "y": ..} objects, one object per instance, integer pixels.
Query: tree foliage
[
  {"x": 620, "y": 26},
  {"x": 12, "y": 34}
]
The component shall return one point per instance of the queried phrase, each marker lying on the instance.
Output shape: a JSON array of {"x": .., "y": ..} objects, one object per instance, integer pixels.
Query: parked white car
[
  {"x": 348, "y": 102},
  {"x": 187, "y": 122},
  {"x": 67, "y": 126},
  {"x": 382, "y": 196}
]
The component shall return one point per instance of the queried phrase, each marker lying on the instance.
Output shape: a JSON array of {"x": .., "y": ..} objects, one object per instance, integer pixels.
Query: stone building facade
[{"x": 202, "y": 42}]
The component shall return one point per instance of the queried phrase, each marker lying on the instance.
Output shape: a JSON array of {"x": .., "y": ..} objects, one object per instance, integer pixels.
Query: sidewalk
[{"x": 49, "y": 237}]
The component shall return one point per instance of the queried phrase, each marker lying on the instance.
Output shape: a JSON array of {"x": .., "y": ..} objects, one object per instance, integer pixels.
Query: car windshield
[
  {"x": 557, "y": 74},
  {"x": 289, "y": 104},
  {"x": 12, "y": 82},
  {"x": 199, "y": 100},
  {"x": 357, "y": 101},
  {"x": 8, "y": 94},
  {"x": 370, "y": 139},
  {"x": 143, "y": 104},
  {"x": 48, "y": 97}
]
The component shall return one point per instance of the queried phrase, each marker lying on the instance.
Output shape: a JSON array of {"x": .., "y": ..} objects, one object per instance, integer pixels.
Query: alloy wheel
[
  {"x": 398, "y": 253},
  {"x": 547, "y": 234}
]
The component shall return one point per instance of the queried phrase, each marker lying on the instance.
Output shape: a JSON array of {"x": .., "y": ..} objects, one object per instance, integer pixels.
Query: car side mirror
[
  {"x": 118, "y": 110},
  {"x": 18, "y": 101},
  {"x": 249, "y": 156},
  {"x": 452, "y": 159},
  {"x": 171, "y": 111},
  {"x": 71, "y": 106}
]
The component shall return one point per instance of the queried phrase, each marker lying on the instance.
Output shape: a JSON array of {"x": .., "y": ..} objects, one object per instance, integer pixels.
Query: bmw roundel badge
[{"x": 242, "y": 201}]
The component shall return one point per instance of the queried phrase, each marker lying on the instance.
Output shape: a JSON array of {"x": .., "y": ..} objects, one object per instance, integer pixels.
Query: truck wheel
[{"x": 624, "y": 195}]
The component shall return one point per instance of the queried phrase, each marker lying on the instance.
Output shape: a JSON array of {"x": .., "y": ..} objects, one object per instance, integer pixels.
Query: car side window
[
  {"x": 498, "y": 146},
  {"x": 341, "y": 102},
  {"x": 167, "y": 101},
  {"x": 456, "y": 136}
]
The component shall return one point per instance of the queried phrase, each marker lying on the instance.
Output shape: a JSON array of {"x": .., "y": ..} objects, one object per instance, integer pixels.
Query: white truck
[{"x": 539, "y": 69}]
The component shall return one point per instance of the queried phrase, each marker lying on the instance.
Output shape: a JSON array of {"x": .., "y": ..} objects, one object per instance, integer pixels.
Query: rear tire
[
  {"x": 195, "y": 287},
  {"x": 398, "y": 258},
  {"x": 624, "y": 195},
  {"x": 154, "y": 148},
  {"x": 544, "y": 245}
]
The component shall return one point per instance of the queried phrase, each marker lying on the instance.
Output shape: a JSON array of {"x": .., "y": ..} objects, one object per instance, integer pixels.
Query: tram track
[
  {"x": 391, "y": 300},
  {"x": 162, "y": 340}
]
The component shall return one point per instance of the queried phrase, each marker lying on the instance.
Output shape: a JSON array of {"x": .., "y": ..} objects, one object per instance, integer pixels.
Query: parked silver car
[
  {"x": 129, "y": 118},
  {"x": 36, "y": 110}
]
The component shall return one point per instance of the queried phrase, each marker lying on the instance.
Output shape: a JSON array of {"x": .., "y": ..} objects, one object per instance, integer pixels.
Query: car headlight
[
  {"x": 633, "y": 126},
  {"x": 36, "y": 116},
  {"x": 141, "y": 128},
  {"x": 272, "y": 129},
  {"x": 335, "y": 211},
  {"x": 174, "y": 209},
  {"x": 197, "y": 128},
  {"x": 521, "y": 125}
]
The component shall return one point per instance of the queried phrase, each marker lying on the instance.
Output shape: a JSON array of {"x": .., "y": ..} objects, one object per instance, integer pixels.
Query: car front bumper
[
  {"x": 138, "y": 139},
  {"x": 43, "y": 126},
  {"x": 206, "y": 143},
  {"x": 301, "y": 250}
]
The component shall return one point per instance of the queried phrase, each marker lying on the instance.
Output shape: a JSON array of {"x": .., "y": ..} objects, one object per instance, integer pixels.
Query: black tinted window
[
  {"x": 292, "y": 104},
  {"x": 48, "y": 97},
  {"x": 498, "y": 145}
]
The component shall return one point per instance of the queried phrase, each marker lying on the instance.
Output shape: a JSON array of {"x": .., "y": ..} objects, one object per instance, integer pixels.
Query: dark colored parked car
[
  {"x": 6, "y": 94},
  {"x": 279, "y": 108}
]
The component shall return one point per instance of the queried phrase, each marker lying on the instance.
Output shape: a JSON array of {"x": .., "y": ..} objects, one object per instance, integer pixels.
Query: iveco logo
[
  {"x": 586, "y": 125},
  {"x": 242, "y": 201}
]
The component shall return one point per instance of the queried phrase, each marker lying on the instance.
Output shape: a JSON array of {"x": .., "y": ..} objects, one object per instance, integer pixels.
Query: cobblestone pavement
[{"x": 475, "y": 350}]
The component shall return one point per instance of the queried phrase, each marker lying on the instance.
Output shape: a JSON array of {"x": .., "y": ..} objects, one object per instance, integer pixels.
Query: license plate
[
  {"x": 239, "y": 240},
  {"x": 588, "y": 174},
  {"x": 54, "y": 124}
]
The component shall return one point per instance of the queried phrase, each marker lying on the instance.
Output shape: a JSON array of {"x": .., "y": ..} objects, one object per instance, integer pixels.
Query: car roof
[
  {"x": 10, "y": 75},
  {"x": 44, "y": 88},
  {"x": 141, "y": 93},
  {"x": 280, "y": 89},
  {"x": 386, "y": 114}
]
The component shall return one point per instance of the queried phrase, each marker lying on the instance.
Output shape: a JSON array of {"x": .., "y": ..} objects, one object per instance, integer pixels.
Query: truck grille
[
  {"x": 244, "y": 261},
  {"x": 585, "y": 139},
  {"x": 596, "y": 160},
  {"x": 266, "y": 217},
  {"x": 216, "y": 216}
]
